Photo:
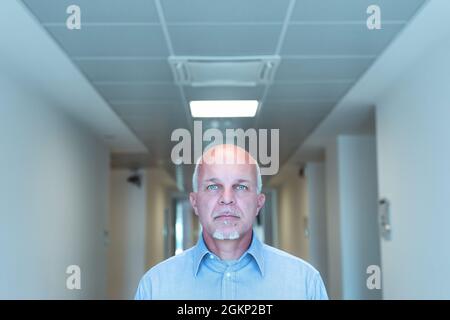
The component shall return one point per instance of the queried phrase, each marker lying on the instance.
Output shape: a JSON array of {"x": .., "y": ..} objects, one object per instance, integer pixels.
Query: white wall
[
  {"x": 413, "y": 134},
  {"x": 352, "y": 228},
  {"x": 126, "y": 255},
  {"x": 333, "y": 221},
  {"x": 53, "y": 200},
  {"x": 317, "y": 221},
  {"x": 359, "y": 216}
]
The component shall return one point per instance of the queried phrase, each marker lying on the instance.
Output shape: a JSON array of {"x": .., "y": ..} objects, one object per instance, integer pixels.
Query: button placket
[{"x": 227, "y": 285}]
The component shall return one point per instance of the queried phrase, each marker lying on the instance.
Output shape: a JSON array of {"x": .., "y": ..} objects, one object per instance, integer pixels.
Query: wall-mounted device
[{"x": 384, "y": 219}]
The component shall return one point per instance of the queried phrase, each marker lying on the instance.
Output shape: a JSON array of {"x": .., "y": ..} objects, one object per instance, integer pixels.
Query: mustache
[{"x": 226, "y": 212}]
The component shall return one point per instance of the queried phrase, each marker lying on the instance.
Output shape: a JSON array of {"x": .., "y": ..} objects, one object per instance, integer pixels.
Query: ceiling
[{"x": 123, "y": 48}]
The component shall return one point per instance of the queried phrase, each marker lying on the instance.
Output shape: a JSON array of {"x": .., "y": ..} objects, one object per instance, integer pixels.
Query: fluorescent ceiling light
[{"x": 223, "y": 108}]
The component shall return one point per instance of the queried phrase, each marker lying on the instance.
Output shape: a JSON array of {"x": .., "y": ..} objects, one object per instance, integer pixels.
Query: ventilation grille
[{"x": 227, "y": 71}]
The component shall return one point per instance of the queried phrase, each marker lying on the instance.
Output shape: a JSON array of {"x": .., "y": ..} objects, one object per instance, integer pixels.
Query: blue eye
[
  {"x": 212, "y": 187},
  {"x": 241, "y": 187}
]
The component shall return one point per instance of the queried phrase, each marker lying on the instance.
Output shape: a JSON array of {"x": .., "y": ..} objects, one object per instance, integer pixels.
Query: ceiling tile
[
  {"x": 110, "y": 11},
  {"x": 291, "y": 120},
  {"x": 155, "y": 126},
  {"x": 352, "y": 10},
  {"x": 111, "y": 40},
  {"x": 145, "y": 109},
  {"x": 127, "y": 70},
  {"x": 321, "y": 69},
  {"x": 224, "y": 40},
  {"x": 138, "y": 92},
  {"x": 324, "y": 91},
  {"x": 293, "y": 107},
  {"x": 224, "y": 11},
  {"x": 294, "y": 126},
  {"x": 337, "y": 39},
  {"x": 160, "y": 122}
]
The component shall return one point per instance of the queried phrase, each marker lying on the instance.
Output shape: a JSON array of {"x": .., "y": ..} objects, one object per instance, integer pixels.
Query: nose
[{"x": 227, "y": 197}]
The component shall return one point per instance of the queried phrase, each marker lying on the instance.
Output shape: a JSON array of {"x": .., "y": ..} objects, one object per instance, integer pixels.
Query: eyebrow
[
  {"x": 243, "y": 180},
  {"x": 212, "y": 180}
]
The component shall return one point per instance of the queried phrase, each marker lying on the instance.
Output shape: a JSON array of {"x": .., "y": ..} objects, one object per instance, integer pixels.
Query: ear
[
  {"x": 260, "y": 200},
  {"x": 193, "y": 200}
]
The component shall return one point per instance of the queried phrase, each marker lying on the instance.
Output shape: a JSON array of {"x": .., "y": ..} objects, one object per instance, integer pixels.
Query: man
[{"x": 229, "y": 262}]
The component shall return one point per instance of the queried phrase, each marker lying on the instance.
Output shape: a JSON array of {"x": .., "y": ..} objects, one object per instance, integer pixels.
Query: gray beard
[{"x": 219, "y": 235}]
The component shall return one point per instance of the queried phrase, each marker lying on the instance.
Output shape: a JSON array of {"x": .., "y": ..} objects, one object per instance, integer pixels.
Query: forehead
[
  {"x": 227, "y": 172},
  {"x": 227, "y": 154},
  {"x": 227, "y": 162}
]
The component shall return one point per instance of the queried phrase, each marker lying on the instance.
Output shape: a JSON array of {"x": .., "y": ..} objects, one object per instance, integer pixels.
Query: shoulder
[
  {"x": 295, "y": 271},
  {"x": 278, "y": 257},
  {"x": 164, "y": 272},
  {"x": 174, "y": 263},
  {"x": 171, "y": 265}
]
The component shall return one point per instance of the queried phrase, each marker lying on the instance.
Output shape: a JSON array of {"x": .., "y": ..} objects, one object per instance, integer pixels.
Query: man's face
[{"x": 227, "y": 202}]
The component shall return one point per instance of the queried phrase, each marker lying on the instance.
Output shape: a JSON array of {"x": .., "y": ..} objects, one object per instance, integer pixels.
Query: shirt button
[
  {"x": 228, "y": 274},
  {"x": 211, "y": 256}
]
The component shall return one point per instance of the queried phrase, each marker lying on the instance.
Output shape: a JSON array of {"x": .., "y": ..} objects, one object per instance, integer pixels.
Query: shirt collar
[
  {"x": 200, "y": 250},
  {"x": 255, "y": 250}
]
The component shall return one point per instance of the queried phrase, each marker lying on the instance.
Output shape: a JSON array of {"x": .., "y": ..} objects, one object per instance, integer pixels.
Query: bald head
[{"x": 226, "y": 154}]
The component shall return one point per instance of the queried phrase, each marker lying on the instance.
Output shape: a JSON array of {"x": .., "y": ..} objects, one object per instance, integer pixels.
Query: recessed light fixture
[{"x": 223, "y": 108}]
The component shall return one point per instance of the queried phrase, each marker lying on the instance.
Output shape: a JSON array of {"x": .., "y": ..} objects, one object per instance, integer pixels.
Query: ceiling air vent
[{"x": 226, "y": 71}]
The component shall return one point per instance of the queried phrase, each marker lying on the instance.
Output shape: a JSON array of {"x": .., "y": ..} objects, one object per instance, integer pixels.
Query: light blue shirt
[{"x": 262, "y": 272}]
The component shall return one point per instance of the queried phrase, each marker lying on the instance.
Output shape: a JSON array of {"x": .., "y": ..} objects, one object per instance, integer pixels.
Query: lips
[
  {"x": 226, "y": 215},
  {"x": 221, "y": 217}
]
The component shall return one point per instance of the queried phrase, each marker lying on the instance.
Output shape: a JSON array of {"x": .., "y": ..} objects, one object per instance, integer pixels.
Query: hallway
[{"x": 103, "y": 116}]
